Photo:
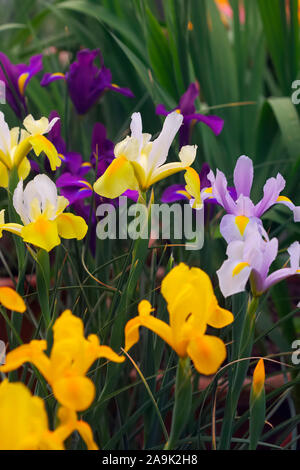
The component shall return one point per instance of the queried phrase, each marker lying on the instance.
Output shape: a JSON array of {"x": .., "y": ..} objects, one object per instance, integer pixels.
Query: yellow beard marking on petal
[
  {"x": 242, "y": 222},
  {"x": 57, "y": 74},
  {"x": 114, "y": 85},
  {"x": 21, "y": 82},
  {"x": 298, "y": 271},
  {"x": 283, "y": 198},
  {"x": 184, "y": 193},
  {"x": 239, "y": 267},
  {"x": 85, "y": 183},
  {"x": 178, "y": 111},
  {"x": 208, "y": 190}
]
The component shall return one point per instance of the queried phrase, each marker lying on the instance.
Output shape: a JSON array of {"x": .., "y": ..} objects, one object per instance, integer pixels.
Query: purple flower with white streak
[
  {"x": 16, "y": 78},
  {"x": 241, "y": 210},
  {"x": 187, "y": 109},
  {"x": 85, "y": 81},
  {"x": 252, "y": 258}
]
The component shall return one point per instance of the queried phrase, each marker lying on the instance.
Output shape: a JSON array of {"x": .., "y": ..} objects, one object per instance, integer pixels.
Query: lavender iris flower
[
  {"x": 16, "y": 78},
  {"x": 252, "y": 258},
  {"x": 187, "y": 109},
  {"x": 241, "y": 210},
  {"x": 86, "y": 82}
]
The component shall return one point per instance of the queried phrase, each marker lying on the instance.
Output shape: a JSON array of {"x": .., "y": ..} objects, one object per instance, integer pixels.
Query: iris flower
[
  {"x": 140, "y": 163},
  {"x": 42, "y": 212},
  {"x": 251, "y": 259},
  {"x": 192, "y": 306},
  {"x": 86, "y": 82},
  {"x": 15, "y": 144},
  {"x": 70, "y": 359},
  {"x": 187, "y": 109},
  {"x": 16, "y": 79},
  {"x": 241, "y": 210},
  {"x": 24, "y": 422}
]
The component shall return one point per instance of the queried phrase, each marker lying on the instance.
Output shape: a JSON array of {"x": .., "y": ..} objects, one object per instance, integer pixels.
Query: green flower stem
[
  {"x": 239, "y": 373},
  {"x": 16, "y": 318},
  {"x": 183, "y": 402},
  {"x": 43, "y": 284}
]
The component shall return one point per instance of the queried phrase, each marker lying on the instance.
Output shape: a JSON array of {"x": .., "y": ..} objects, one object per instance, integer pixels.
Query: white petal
[
  {"x": 230, "y": 284},
  {"x": 162, "y": 144}
]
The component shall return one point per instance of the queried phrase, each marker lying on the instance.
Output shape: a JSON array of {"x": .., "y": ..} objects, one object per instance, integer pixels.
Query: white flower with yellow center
[
  {"x": 140, "y": 163},
  {"x": 41, "y": 212}
]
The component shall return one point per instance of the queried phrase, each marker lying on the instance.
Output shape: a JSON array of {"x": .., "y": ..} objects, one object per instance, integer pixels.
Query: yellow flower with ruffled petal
[
  {"x": 24, "y": 422},
  {"x": 42, "y": 213},
  {"x": 140, "y": 163},
  {"x": 15, "y": 144},
  {"x": 70, "y": 359},
  {"x": 192, "y": 306}
]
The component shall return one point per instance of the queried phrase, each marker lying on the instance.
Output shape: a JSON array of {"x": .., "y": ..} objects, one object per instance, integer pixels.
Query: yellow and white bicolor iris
[
  {"x": 42, "y": 213},
  {"x": 16, "y": 143},
  {"x": 140, "y": 162}
]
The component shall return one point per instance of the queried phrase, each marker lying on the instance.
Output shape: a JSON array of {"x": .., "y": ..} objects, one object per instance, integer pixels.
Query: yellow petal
[
  {"x": 41, "y": 144},
  {"x": 76, "y": 393},
  {"x": 259, "y": 376},
  {"x": 108, "y": 353},
  {"x": 32, "y": 352},
  {"x": 3, "y": 176},
  {"x": 12, "y": 300},
  {"x": 193, "y": 186},
  {"x": 87, "y": 435},
  {"x": 220, "y": 317},
  {"x": 207, "y": 353},
  {"x": 24, "y": 169},
  {"x": 118, "y": 177},
  {"x": 145, "y": 319},
  {"x": 71, "y": 226},
  {"x": 42, "y": 233},
  {"x": 23, "y": 418}
]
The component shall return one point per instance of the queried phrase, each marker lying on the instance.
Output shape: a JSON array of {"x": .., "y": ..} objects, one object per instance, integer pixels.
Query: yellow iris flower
[
  {"x": 24, "y": 422},
  {"x": 15, "y": 144},
  {"x": 41, "y": 211},
  {"x": 70, "y": 359},
  {"x": 192, "y": 306},
  {"x": 140, "y": 163}
]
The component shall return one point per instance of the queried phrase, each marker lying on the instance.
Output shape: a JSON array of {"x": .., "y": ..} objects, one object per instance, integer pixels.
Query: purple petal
[
  {"x": 214, "y": 122},
  {"x": 243, "y": 176},
  {"x": 52, "y": 77},
  {"x": 172, "y": 194},
  {"x": 161, "y": 110},
  {"x": 272, "y": 190},
  {"x": 186, "y": 103}
]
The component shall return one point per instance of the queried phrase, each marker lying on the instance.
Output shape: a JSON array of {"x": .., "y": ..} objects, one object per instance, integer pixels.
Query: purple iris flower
[
  {"x": 16, "y": 78},
  {"x": 187, "y": 109},
  {"x": 240, "y": 209},
  {"x": 86, "y": 82},
  {"x": 253, "y": 257}
]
